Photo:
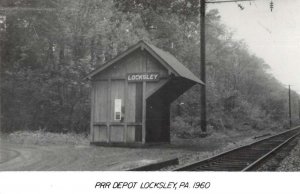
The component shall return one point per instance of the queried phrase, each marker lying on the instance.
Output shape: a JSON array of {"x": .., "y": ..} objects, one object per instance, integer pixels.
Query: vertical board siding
[
  {"x": 139, "y": 103},
  {"x": 154, "y": 66},
  {"x": 130, "y": 109},
  {"x": 130, "y": 136},
  {"x": 138, "y": 134},
  {"x": 129, "y": 64},
  {"x": 134, "y": 64},
  {"x": 100, "y": 133},
  {"x": 117, "y": 133},
  {"x": 100, "y": 109}
]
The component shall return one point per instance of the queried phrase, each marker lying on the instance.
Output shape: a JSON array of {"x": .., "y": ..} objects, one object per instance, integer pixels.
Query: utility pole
[
  {"x": 2, "y": 31},
  {"x": 202, "y": 65},
  {"x": 0, "y": 83},
  {"x": 2, "y": 40},
  {"x": 290, "y": 110},
  {"x": 202, "y": 56}
]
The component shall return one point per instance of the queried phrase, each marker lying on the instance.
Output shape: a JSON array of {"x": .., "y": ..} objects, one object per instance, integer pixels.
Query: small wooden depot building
[{"x": 132, "y": 93}]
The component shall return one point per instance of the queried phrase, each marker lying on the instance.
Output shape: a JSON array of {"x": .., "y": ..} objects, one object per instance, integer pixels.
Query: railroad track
[{"x": 245, "y": 158}]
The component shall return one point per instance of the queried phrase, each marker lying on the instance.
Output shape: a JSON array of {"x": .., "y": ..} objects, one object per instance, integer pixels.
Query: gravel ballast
[{"x": 292, "y": 161}]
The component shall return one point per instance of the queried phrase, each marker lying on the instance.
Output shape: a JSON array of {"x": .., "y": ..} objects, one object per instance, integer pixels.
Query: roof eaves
[{"x": 192, "y": 77}]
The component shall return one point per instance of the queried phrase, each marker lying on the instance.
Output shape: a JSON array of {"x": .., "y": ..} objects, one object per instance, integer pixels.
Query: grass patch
[{"x": 47, "y": 138}]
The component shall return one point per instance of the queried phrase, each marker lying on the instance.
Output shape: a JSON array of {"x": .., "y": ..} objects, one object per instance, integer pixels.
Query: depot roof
[{"x": 162, "y": 56}]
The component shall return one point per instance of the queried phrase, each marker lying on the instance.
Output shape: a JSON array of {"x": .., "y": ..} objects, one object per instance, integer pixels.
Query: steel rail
[
  {"x": 216, "y": 158},
  {"x": 256, "y": 163}
]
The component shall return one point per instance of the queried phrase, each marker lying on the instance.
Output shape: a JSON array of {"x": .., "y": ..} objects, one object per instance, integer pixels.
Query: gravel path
[{"x": 20, "y": 157}]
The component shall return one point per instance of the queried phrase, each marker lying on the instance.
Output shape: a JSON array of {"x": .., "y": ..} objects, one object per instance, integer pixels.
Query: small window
[
  {"x": 118, "y": 110},
  {"x": 118, "y": 116}
]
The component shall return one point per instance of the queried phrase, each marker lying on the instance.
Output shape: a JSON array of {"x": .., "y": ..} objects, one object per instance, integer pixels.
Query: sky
[{"x": 273, "y": 36}]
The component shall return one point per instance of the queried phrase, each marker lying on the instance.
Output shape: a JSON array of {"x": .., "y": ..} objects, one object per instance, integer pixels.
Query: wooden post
[
  {"x": 125, "y": 109},
  {"x": 109, "y": 109},
  {"x": 92, "y": 113},
  {"x": 144, "y": 113},
  {"x": 144, "y": 99}
]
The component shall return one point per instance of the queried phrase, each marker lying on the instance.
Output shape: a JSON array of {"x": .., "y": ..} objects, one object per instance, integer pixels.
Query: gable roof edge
[{"x": 152, "y": 50}]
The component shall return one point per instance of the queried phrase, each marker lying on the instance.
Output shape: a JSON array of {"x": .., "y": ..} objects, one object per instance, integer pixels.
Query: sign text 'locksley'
[{"x": 139, "y": 77}]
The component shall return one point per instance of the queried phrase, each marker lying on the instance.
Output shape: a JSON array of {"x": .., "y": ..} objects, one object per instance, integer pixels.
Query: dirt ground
[{"x": 31, "y": 157}]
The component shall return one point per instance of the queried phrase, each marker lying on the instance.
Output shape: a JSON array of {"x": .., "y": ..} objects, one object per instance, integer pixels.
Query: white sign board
[{"x": 118, "y": 109}]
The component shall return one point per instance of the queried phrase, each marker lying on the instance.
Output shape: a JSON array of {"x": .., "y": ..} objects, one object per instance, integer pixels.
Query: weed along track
[{"x": 246, "y": 158}]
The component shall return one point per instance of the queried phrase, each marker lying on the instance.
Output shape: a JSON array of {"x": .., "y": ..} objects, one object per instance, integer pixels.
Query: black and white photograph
[{"x": 197, "y": 86}]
